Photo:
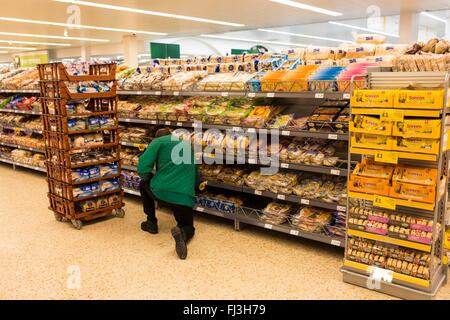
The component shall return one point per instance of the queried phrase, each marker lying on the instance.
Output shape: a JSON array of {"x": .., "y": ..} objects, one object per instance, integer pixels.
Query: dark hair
[{"x": 163, "y": 132}]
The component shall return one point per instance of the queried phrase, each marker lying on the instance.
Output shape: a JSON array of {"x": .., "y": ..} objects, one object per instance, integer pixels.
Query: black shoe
[
  {"x": 180, "y": 243},
  {"x": 150, "y": 227}
]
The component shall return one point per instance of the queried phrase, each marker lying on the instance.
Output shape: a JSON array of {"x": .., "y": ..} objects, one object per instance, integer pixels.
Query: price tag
[
  {"x": 251, "y": 130},
  {"x": 157, "y": 93},
  {"x": 168, "y": 123},
  {"x": 336, "y": 243},
  {"x": 271, "y": 95},
  {"x": 268, "y": 226},
  {"x": 196, "y": 125},
  {"x": 295, "y": 232},
  {"x": 258, "y": 193},
  {"x": 387, "y": 157},
  {"x": 141, "y": 147},
  {"x": 347, "y": 96},
  {"x": 236, "y": 129},
  {"x": 341, "y": 208},
  {"x": 332, "y": 137},
  {"x": 176, "y": 93},
  {"x": 285, "y": 133},
  {"x": 139, "y": 93},
  {"x": 335, "y": 172},
  {"x": 251, "y": 94},
  {"x": 305, "y": 202},
  {"x": 384, "y": 202},
  {"x": 285, "y": 165},
  {"x": 319, "y": 95},
  {"x": 200, "y": 209},
  {"x": 225, "y": 94},
  {"x": 392, "y": 115},
  {"x": 281, "y": 197},
  {"x": 179, "y": 124},
  {"x": 252, "y": 161},
  {"x": 127, "y": 120}
]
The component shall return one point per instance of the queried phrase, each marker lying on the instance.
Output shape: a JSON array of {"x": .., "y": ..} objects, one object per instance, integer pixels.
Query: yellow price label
[
  {"x": 392, "y": 115},
  {"x": 384, "y": 202},
  {"x": 17, "y": 130},
  {"x": 202, "y": 186},
  {"x": 141, "y": 147},
  {"x": 386, "y": 157}
]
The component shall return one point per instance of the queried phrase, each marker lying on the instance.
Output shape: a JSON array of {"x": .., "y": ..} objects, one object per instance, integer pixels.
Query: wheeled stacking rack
[
  {"x": 55, "y": 96},
  {"x": 397, "y": 282}
]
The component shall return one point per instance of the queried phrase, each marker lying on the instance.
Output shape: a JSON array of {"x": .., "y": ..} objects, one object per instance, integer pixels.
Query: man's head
[{"x": 163, "y": 132}]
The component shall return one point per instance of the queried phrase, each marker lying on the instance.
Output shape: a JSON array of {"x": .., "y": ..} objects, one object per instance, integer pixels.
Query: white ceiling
[{"x": 253, "y": 13}]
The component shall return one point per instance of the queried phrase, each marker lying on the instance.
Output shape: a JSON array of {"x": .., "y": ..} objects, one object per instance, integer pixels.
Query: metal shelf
[
  {"x": 297, "y": 95},
  {"x": 21, "y": 147},
  {"x": 280, "y": 132},
  {"x": 132, "y": 192},
  {"x": 18, "y": 164},
  {"x": 34, "y": 113},
  {"x": 18, "y": 91},
  {"x": 24, "y": 130}
]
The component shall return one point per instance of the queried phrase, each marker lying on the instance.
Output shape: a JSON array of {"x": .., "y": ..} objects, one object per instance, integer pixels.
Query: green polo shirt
[{"x": 173, "y": 182}]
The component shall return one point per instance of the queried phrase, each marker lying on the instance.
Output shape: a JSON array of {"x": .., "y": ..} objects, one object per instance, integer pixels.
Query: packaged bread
[
  {"x": 416, "y": 175},
  {"x": 360, "y": 51},
  {"x": 390, "y": 49},
  {"x": 368, "y": 168},
  {"x": 418, "y": 128},
  {"x": 370, "y": 38}
]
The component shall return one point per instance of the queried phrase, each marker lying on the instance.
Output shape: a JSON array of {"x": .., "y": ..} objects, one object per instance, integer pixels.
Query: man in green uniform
[{"x": 173, "y": 186}]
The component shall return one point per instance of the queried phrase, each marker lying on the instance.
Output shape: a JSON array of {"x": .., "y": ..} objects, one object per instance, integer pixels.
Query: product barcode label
[
  {"x": 335, "y": 172},
  {"x": 336, "y": 243},
  {"x": 332, "y": 136},
  {"x": 157, "y": 93},
  {"x": 251, "y": 94},
  {"x": 258, "y": 193},
  {"x": 285, "y": 165},
  {"x": 154, "y": 122},
  {"x": 127, "y": 120},
  {"x": 271, "y": 95},
  {"x": 285, "y": 133},
  {"x": 268, "y": 226},
  {"x": 176, "y": 93},
  {"x": 305, "y": 202},
  {"x": 295, "y": 232},
  {"x": 281, "y": 197},
  {"x": 341, "y": 208},
  {"x": 319, "y": 95},
  {"x": 236, "y": 129},
  {"x": 225, "y": 94}
]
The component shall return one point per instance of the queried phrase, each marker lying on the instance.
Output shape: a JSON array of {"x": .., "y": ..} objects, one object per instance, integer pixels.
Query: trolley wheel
[
  {"x": 119, "y": 213},
  {"x": 59, "y": 217},
  {"x": 77, "y": 224}
]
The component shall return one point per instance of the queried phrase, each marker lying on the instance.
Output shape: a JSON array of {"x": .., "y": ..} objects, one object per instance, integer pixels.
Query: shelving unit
[
  {"x": 55, "y": 95},
  {"x": 401, "y": 281}
]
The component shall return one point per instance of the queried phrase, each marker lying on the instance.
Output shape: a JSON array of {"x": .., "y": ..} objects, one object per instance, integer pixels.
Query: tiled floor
[{"x": 39, "y": 257}]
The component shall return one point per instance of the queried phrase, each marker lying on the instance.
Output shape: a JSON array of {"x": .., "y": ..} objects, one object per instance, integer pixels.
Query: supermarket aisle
[{"x": 118, "y": 261}]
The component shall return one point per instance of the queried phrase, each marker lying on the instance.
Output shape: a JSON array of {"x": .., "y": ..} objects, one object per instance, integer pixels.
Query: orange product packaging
[{"x": 373, "y": 98}]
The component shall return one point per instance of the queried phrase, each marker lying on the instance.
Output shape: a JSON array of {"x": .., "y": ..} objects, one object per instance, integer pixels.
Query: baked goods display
[
  {"x": 30, "y": 141},
  {"x": 22, "y": 157},
  {"x": 131, "y": 180},
  {"x": 406, "y": 261},
  {"x": 20, "y": 103},
  {"x": 20, "y": 79},
  {"x": 276, "y": 213},
  {"x": 222, "y": 202},
  {"x": 133, "y": 134},
  {"x": 11, "y": 120},
  {"x": 313, "y": 220},
  {"x": 99, "y": 203},
  {"x": 130, "y": 156}
]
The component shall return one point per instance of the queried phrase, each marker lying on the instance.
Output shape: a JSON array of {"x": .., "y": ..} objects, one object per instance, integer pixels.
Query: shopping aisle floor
[{"x": 118, "y": 261}]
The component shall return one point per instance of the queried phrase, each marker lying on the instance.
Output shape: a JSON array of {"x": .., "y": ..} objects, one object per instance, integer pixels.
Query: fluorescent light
[
  {"x": 147, "y": 12},
  {"x": 36, "y": 43},
  {"x": 79, "y": 26},
  {"x": 364, "y": 29},
  {"x": 3, "y": 52},
  {"x": 305, "y": 36},
  {"x": 432, "y": 16},
  {"x": 308, "y": 7},
  {"x": 29, "y": 35},
  {"x": 257, "y": 41},
  {"x": 19, "y": 48}
]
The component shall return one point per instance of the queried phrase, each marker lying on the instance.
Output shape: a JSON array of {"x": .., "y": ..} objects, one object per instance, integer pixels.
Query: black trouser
[{"x": 183, "y": 215}]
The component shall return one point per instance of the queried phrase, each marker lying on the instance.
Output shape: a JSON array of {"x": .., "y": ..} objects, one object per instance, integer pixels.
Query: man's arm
[{"x": 147, "y": 161}]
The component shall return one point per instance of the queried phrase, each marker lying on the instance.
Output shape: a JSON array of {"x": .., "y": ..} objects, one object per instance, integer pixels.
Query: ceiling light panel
[
  {"x": 308, "y": 7},
  {"x": 78, "y": 26},
  {"x": 29, "y": 35},
  {"x": 432, "y": 16},
  {"x": 364, "y": 29},
  {"x": 305, "y": 36},
  {"x": 36, "y": 43},
  {"x": 19, "y": 48},
  {"x": 256, "y": 41},
  {"x": 148, "y": 12}
]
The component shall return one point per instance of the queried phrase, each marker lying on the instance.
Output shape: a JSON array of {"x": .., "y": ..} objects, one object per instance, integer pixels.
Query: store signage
[
  {"x": 31, "y": 61},
  {"x": 387, "y": 157},
  {"x": 384, "y": 202},
  {"x": 165, "y": 51},
  {"x": 392, "y": 115}
]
